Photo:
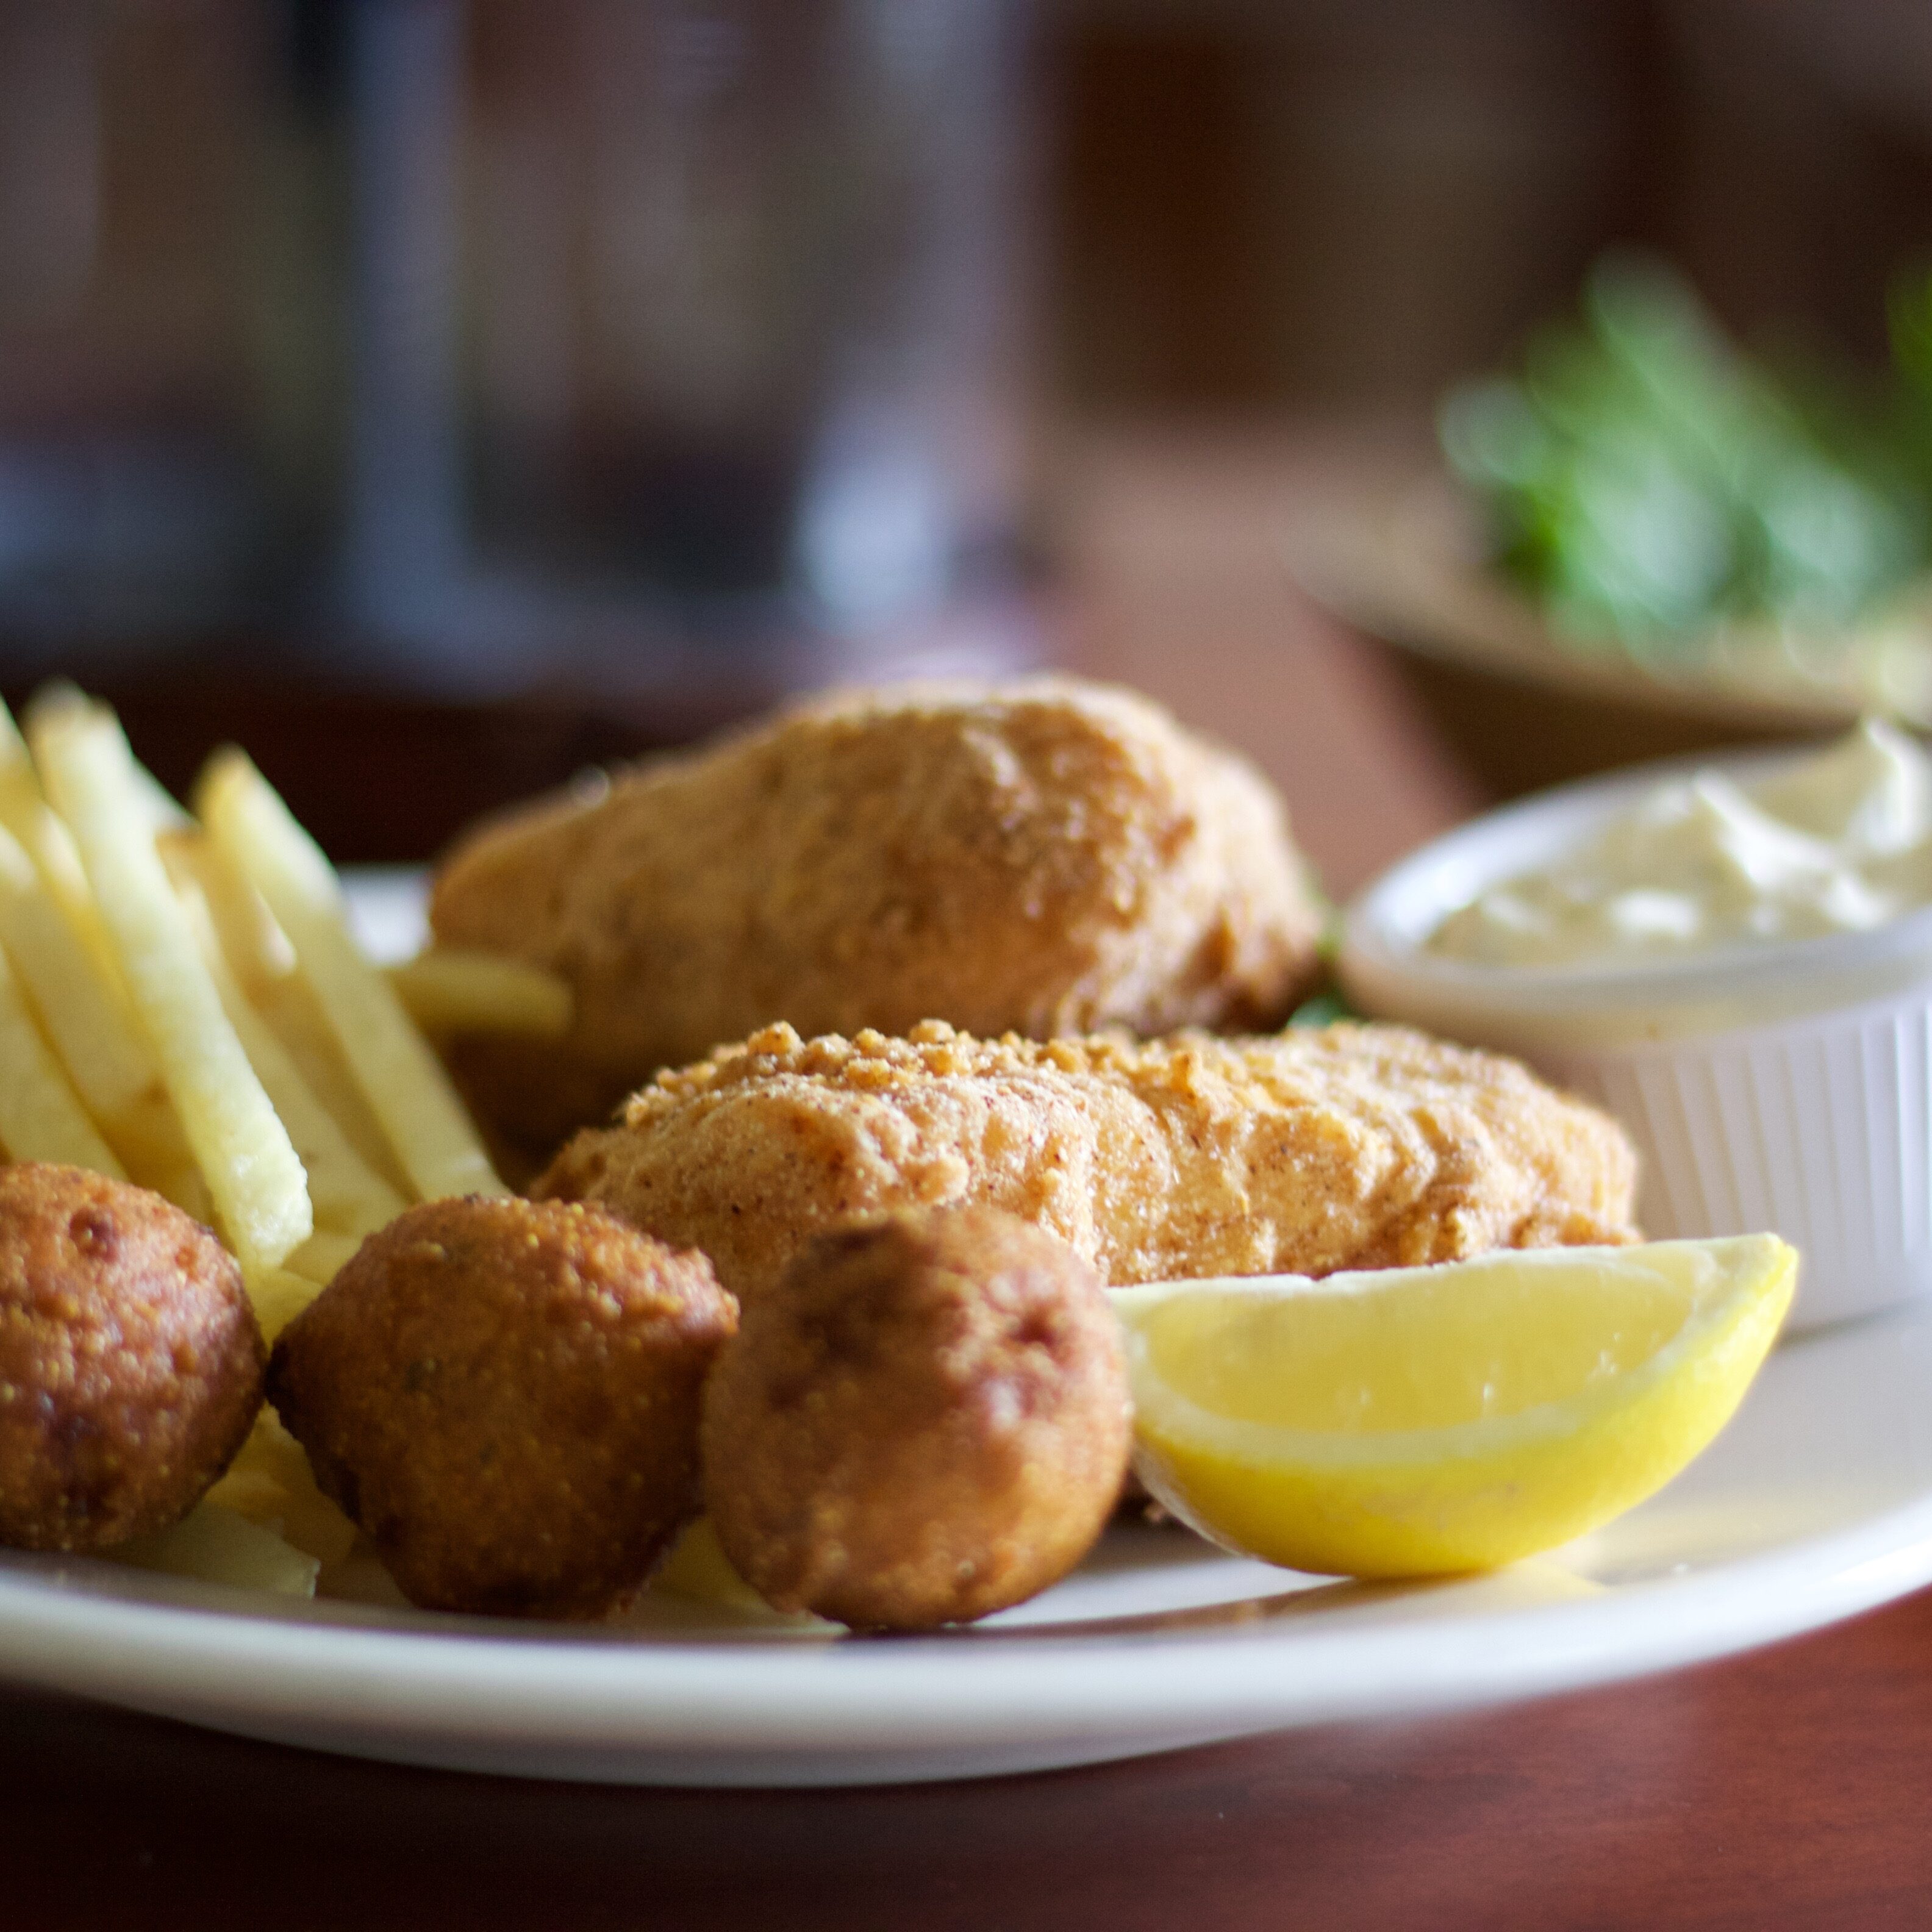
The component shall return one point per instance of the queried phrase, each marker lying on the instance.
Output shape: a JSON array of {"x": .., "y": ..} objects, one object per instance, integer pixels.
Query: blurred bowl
[{"x": 1395, "y": 549}]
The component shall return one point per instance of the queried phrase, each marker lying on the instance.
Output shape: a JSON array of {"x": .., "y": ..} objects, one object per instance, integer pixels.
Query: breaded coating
[
  {"x": 927, "y": 1420},
  {"x": 131, "y": 1361},
  {"x": 503, "y": 1397},
  {"x": 1044, "y": 856},
  {"x": 1306, "y": 1151}
]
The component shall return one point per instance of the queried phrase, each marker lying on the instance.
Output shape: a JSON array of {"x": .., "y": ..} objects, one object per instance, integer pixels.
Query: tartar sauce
[{"x": 1837, "y": 843}]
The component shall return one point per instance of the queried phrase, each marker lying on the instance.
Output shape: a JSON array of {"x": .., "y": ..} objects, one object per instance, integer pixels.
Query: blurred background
[{"x": 450, "y": 393}]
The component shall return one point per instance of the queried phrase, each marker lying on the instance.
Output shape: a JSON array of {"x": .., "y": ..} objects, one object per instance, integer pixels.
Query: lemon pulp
[{"x": 1419, "y": 1420}]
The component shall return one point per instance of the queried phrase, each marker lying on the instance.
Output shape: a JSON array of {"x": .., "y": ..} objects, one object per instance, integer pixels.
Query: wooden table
[{"x": 1784, "y": 1789}]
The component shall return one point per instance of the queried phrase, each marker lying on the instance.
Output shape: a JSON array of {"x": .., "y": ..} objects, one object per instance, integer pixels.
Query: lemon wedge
[{"x": 1416, "y": 1421}]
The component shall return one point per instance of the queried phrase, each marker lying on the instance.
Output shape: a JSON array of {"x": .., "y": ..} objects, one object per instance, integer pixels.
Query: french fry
[
  {"x": 192, "y": 1007},
  {"x": 260, "y": 1191},
  {"x": 61, "y": 701},
  {"x": 346, "y": 1194},
  {"x": 288, "y": 1005},
  {"x": 41, "y": 1117},
  {"x": 323, "y": 1254},
  {"x": 270, "y": 1482},
  {"x": 254, "y": 946},
  {"x": 90, "y": 1027},
  {"x": 279, "y": 1294},
  {"x": 698, "y": 1569},
  {"x": 87, "y": 1022},
  {"x": 26, "y": 813},
  {"x": 75, "y": 983},
  {"x": 258, "y": 951},
  {"x": 449, "y": 989},
  {"x": 213, "y": 1544},
  {"x": 406, "y": 1086}
]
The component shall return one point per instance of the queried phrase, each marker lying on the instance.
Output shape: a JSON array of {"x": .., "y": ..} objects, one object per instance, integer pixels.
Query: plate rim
[{"x": 800, "y": 1692}]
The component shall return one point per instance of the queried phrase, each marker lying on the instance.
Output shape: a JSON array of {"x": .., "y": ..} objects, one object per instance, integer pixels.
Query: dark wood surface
[{"x": 1784, "y": 1788}]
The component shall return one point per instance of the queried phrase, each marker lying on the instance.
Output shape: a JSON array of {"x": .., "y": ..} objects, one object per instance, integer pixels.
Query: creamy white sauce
[{"x": 1841, "y": 842}]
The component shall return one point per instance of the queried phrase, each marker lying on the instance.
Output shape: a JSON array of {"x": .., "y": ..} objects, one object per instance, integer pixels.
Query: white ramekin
[{"x": 1784, "y": 1087}]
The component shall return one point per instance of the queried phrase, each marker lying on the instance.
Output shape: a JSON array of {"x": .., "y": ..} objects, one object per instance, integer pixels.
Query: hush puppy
[
  {"x": 503, "y": 1396},
  {"x": 130, "y": 1362},
  {"x": 927, "y": 1420},
  {"x": 1047, "y": 856}
]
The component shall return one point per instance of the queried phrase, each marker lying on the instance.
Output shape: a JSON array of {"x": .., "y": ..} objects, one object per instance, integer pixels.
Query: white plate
[{"x": 1816, "y": 1503}]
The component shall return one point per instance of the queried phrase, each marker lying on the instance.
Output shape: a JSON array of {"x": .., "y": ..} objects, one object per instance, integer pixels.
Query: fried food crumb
[{"x": 1303, "y": 1152}]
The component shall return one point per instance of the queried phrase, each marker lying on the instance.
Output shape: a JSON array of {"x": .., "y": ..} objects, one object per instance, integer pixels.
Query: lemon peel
[{"x": 1423, "y": 1421}]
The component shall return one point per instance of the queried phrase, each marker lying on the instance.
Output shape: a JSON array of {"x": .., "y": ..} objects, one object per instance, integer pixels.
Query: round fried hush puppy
[
  {"x": 131, "y": 1361},
  {"x": 927, "y": 1420},
  {"x": 503, "y": 1396}
]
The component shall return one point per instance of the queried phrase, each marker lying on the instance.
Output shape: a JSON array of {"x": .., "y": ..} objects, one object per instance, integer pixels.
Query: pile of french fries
[{"x": 183, "y": 1004}]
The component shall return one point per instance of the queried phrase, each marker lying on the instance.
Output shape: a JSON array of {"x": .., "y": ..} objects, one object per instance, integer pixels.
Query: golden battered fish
[
  {"x": 1303, "y": 1152},
  {"x": 1045, "y": 857}
]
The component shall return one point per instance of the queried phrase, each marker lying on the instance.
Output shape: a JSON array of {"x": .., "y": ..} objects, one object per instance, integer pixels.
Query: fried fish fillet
[
  {"x": 1044, "y": 856},
  {"x": 1306, "y": 1151}
]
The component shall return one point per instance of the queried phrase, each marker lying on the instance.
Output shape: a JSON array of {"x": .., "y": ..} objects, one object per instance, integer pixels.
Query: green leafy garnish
[{"x": 1645, "y": 478}]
